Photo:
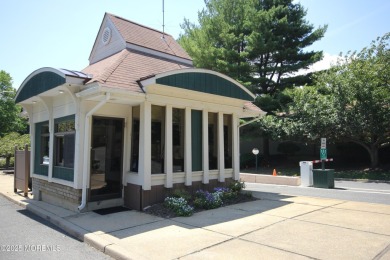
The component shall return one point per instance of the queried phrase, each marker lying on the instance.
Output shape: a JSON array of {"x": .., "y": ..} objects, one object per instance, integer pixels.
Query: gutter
[{"x": 87, "y": 131}]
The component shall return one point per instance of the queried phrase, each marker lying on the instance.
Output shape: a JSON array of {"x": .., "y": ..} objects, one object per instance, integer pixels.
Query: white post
[
  {"x": 144, "y": 168},
  {"x": 188, "y": 148},
  {"x": 236, "y": 149},
  {"x": 205, "y": 134},
  {"x": 168, "y": 164},
  {"x": 221, "y": 149}
]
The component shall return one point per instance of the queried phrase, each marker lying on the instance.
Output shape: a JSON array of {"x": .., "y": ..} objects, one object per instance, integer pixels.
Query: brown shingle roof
[
  {"x": 147, "y": 37},
  {"x": 249, "y": 106},
  {"x": 122, "y": 70}
]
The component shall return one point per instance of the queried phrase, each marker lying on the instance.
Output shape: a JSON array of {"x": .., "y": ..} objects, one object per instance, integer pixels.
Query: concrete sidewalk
[{"x": 279, "y": 227}]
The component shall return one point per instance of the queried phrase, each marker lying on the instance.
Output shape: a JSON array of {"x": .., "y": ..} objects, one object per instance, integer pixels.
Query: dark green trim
[
  {"x": 206, "y": 83},
  {"x": 65, "y": 118},
  {"x": 38, "y": 167},
  {"x": 63, "y": 173},
  {"x": 38, "y": 84},
  {"x": 196, "y": 140}
]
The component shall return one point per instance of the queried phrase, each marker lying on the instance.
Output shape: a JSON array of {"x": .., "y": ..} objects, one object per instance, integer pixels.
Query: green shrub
[
  {"x": 181, "y": 193},
  {"x": 237, "y": 186},
  {"x": 179, "y": 206},
  {"x": 226, "y": 194},
  {"x": 207, "y": 200}
]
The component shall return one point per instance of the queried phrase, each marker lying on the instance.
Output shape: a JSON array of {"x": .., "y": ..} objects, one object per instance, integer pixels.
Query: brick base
[{"x": 56, "y": 194}]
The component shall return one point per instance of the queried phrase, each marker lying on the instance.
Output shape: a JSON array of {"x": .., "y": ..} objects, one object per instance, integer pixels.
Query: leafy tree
[
  {"x": 254, "y": 42},
  {"x": 8, "y": 143},
  {"x": 10, "y": 120},
  {"x": 349, "y": 102},
  {"x": 361, "y": 90}
]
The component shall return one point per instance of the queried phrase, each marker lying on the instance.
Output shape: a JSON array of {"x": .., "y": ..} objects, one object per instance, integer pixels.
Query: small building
[{"x": 136, "y": 123}]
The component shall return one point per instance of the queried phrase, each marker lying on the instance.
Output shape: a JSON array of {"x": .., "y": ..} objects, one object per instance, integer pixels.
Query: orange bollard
[{"x": 274, "y": 173}]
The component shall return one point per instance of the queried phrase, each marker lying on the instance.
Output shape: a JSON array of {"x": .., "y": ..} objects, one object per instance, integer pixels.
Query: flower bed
[{"x": 181, "y": 203}]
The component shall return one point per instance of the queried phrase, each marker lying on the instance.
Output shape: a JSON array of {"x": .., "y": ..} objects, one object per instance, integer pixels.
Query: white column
[
  {"x": 221, "y": 149},
  {"x": 205, "y": 134},
  {"x": 144, "y": 167},
  {"x": 33, "y": 143},
  {"x": 127, "y": 145},
  {"x": 77, "y": 144},
  {"x": 236, "y": 149},
  {"x": 188, "y": 148},
  {"x": 168, "y": 164},
  {"x": 29, "y": 109}
]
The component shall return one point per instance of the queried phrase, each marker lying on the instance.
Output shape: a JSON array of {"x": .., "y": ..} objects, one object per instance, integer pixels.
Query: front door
[{"x": 106, "y": 158}]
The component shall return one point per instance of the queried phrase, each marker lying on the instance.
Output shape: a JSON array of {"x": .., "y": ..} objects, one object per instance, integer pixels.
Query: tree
[
  {"x": 8, "y": 143},
  {"x": 349, "y": 102},
  {"x": 361, "y": 90},
  {"x": 254, "y": 42},
  {"x": 10, "y": 120}
]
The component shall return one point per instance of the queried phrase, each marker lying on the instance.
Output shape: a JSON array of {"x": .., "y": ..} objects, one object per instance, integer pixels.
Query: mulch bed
[{"x": 160, "y": 211}]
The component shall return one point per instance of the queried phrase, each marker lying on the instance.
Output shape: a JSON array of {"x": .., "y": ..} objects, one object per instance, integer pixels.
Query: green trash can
[{"x": 323, "y": 178}]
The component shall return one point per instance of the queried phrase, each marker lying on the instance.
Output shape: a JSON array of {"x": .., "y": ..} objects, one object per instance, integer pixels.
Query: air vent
[{"x": 106, "y": 37}]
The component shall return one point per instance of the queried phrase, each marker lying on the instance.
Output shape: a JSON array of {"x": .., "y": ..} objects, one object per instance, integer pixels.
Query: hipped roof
[{"x": 125, "y": 68}]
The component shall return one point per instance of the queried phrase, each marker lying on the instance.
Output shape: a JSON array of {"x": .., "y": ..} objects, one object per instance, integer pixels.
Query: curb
[
  {"x": 64, "y": 225},
  {"x": 73, "y": 230},
  {"x": 361, "y": 180}
]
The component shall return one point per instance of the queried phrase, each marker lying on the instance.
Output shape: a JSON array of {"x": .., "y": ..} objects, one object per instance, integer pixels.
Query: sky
[{"x": 60, "y": 34}]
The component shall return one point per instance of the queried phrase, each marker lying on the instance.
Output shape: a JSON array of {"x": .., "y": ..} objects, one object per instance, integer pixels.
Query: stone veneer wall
[{"x": 62, "y": 193}]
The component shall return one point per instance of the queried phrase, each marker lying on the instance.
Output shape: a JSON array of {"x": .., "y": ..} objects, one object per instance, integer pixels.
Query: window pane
[
  {"x": 178, "y": 117},
  {"x": 64, "y": 141},
  {"x": 213, "y": 141},
  {"x": 228, "y": 140},
  {"x": 45, "y": 149},
  {"x": 135, "y": 140},
  {"x": 65, "y": 126},
  {"x": 158, "y": 139},
  {"x": 59, "y": 151},
  {"x": 68, "y": 151}
]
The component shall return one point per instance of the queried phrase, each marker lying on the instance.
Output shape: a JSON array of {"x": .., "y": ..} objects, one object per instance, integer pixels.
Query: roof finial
[{"x": 163, "y": 19}]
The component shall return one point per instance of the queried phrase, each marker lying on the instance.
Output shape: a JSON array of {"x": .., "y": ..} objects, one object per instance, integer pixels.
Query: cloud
[{"x": 327, "y": 61}]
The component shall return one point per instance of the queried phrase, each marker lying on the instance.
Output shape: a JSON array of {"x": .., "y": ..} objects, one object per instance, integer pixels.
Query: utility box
[
  {"x": 323, "y": 178},
  {"x": 306, "y": 173}
]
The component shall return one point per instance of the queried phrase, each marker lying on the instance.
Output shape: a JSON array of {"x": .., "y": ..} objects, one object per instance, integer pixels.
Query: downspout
[{"x": 87, "y": 153}]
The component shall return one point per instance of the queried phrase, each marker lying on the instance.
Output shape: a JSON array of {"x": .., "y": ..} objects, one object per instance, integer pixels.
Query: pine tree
[{"x": 256, "y": 42}]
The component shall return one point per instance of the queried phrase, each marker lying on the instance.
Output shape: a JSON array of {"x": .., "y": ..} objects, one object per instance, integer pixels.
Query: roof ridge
[
  {"x": 111, "y": 69},
  {"x": 141, "y": 25}
]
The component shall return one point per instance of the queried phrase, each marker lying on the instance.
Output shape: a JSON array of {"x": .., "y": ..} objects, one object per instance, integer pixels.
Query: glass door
[{"x": 106, "y": 158}]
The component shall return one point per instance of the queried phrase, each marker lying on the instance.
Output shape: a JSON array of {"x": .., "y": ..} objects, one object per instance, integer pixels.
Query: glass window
[
  {"x": 64, "y": 142},
  {"x": 158, "y": 139},
  {"x": 228, "y": 140},
  {"x": 135, "y": 140},
  {"x": 213, "y": 141},
  {"x": 178, "y": 119},
  {"x": 45, "y": 141}
]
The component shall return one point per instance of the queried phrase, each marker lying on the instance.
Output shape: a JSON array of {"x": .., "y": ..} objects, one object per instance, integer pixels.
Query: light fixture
[
  {"x": 61, "y": 91},
  {"x": 34, "y": 102},
  {"x": 255, "y": 151}
]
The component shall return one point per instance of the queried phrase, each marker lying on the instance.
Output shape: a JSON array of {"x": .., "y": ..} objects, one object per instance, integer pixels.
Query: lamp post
[{"x": 255, "y": 151}]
